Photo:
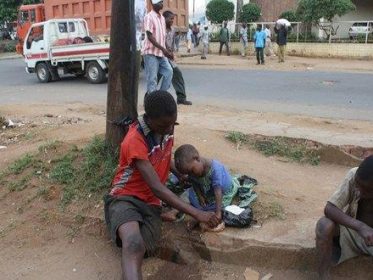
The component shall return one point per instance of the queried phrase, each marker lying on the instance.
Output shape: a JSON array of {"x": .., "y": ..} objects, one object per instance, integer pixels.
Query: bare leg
[
  {"x": 133, "y": 250},
  {"x": 326, "y": 229}
]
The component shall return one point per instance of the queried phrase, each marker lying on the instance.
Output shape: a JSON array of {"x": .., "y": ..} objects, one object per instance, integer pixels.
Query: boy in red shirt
[{"x": 133, "y": 207}]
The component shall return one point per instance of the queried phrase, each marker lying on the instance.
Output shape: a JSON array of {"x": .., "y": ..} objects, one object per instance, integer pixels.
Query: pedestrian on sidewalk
[
  {"x": 177, "y": 78},
  {"x": 205, "y": 38},
  {"x": 243, "y": 39},
  {"x": 260, "y": 41},
  {"x": 346, "y": 231},
  {"x": 224, "y": 38},
  {"x": 282, "y": 37},
  {"x": 189, "y": 38},
  {"x": 133, "y": 206},
  {"x": 268, "y": 47},
  {"x": 154, "y": 50}
]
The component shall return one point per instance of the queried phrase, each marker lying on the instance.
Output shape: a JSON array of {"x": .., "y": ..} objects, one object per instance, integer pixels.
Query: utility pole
[{"x": 122, "y": 91}]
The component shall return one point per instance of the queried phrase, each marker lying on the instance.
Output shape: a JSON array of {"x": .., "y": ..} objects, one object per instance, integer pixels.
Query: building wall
[{"x": 272, "y": 9}]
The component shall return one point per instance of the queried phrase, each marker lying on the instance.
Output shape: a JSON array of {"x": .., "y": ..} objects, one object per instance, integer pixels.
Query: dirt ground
[{"x": 38, "y": 241}]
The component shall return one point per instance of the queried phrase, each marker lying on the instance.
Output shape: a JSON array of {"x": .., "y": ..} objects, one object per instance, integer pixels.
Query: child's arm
[
  {"x": 338, "y": 216},
  {"x": 151, "y": 178},
  {"x": 218, "y": 202}
]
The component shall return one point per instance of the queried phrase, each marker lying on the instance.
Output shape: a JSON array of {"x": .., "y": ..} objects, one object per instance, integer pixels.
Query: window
[
  {"x": 23, "y": 16},
  {"x": 62, "y": 27},
  {"x": 36, "y": 34},
  {"x": 32, "y": 14}
]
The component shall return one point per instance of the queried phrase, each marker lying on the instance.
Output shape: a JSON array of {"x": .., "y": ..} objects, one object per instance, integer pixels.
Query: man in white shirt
[{"x": 269, "y": 48}]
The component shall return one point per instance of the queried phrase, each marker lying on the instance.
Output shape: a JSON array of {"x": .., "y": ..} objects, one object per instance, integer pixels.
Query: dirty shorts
[
  {"x": 352, "y": 244},
  {"x": 124, "y": 209}
]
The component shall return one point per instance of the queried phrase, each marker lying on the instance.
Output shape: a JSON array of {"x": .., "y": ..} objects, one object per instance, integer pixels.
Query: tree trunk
[{"x": 123, "y": 71}]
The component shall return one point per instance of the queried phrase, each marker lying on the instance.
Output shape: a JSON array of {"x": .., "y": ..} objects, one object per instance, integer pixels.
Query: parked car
[{"x": 360, "y": 28}]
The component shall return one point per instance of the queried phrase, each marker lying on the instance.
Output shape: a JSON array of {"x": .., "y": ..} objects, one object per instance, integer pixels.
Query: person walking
[
  {"x": 205, "y": 38},
  {"x": 268, "y": 47},
  {"x": 177, "y": 77},
  {"x": 260, "y": 41},
  {"x": 224, "y": 38},
  {"x": 154, "y": 50},
  {"x": 282, "y": 34},
  {"x": 243, "y": 38},
  {"x": 189, "y": 38}
]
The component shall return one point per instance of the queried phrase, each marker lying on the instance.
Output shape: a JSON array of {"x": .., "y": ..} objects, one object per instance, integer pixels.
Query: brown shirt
[{"x": 347, "y": 195}]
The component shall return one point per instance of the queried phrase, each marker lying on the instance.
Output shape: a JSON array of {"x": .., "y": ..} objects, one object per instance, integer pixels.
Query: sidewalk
[
  {"x": 4, "y": 56},
  {"x": 292, "y": 63}
]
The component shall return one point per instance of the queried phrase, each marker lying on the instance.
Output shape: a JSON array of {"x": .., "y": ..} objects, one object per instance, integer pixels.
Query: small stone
[
  {"x": 251, "y": 274},
  {"x": 267, "y": 276},
  {"x": 74, "y": 269},
  {"x": 3, "y": 147},
  {"x": 48, "y": 115}
]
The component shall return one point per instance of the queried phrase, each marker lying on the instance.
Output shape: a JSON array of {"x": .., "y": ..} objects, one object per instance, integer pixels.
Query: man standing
[
  {"x": 177, "y": 78},
  {"x": 154, "y": 49},
  {"x": 243, "y": 39},
  {"x": 269, "y": 48},
  {"x": 282, "y": 34},
  {"x": 224, "y": 38}
]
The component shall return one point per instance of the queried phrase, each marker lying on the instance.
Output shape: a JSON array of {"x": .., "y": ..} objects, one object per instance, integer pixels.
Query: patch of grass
[
  {"x": 19, "y": 185},
  {"x": 276, "y": 211},
  {"x": 64, "y": 171},
  {"x": 236, "y": 137},
  {"x": 43, "y": 192},
  {"x": 21, "y": 164},
  {"x": 273, "y": 209},
  {"x": 81, "y": 172},
  {"x": 52, "y": 145},
  {"x": 293, "y": 149},
  {"x": 92, "y": 173}
]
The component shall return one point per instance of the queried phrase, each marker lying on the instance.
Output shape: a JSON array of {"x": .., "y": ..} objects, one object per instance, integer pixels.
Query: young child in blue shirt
[
  {"x": 260, "y": 42},
  {"x": 212, "y": 185}
]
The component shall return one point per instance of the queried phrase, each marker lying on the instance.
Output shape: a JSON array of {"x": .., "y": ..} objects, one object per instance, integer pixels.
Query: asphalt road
[{"x": 322, "y": 94}]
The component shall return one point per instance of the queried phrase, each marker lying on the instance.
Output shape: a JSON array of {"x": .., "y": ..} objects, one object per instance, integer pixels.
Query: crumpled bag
[{"x": 241, "y": 220}]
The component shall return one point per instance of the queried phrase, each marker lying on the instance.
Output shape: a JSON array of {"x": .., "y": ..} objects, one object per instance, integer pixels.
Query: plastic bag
[{"x": 242, "y": 220}]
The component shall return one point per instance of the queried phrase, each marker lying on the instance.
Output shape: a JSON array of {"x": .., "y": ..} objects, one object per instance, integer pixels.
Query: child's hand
[
  {"x": 208, "y": 218},
  {"x": 366, "y": 232}
]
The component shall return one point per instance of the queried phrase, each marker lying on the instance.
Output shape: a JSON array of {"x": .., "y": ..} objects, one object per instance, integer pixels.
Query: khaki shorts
[
  {"x": 124, "y": 209},
  {"x": 352, "y": 245}
]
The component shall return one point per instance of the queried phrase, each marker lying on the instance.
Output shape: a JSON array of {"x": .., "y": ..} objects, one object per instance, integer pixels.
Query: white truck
[{"x": 63, "y": 46}]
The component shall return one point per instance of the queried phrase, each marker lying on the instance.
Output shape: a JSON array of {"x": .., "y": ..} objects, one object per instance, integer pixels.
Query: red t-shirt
[{"x": 139, "y": 144}]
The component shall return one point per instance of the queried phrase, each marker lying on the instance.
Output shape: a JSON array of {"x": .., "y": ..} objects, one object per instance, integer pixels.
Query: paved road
[{"x": 324, "y": 94}]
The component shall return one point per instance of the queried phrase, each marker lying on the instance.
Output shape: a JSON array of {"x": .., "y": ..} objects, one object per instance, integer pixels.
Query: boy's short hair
[
  {"x": 365, "y": 170},
  {"x": 159, "y": 104},
  {"x": 184, "y": 154},
  {"x": 168, "y": 14}
]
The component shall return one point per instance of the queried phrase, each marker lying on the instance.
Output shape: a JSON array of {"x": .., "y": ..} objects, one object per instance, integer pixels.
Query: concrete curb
[{"x": 10, "y": 56}]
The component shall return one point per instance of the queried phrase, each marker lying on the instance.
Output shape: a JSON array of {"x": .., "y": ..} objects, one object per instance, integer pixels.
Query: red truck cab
[{"x": 28, "y": 15}]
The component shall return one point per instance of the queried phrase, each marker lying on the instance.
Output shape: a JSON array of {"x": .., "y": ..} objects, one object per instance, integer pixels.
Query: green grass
[
  {"x": 293, "y": 149},
  {"x": 21, "y": 164},
  {"x": 80, "y": 172},
  {"x": 92, "y": 174}
]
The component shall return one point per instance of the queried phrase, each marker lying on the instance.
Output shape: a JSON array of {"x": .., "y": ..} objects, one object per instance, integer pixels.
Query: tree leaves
[{"x": 220, "y": 10}]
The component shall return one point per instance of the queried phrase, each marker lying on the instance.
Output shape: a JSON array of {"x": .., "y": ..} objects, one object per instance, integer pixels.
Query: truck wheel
[
  {"x": 42, "y": 72},
  {"x": 95, "y": 74}
]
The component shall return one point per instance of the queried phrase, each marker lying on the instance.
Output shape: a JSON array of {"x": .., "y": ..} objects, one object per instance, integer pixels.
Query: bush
[
  {"x": 220, "y": 10},
  {"x": 250, "y": 13},
  {"x": 8, "y": 46},
  {"x": 290, "y": 16}
]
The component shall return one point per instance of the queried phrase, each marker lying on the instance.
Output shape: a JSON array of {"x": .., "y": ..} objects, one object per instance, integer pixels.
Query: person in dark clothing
[
  {"x": 282, "y": 38},
  {"x": 224, "y": 38},
  {"x": 177, "y": 78}
]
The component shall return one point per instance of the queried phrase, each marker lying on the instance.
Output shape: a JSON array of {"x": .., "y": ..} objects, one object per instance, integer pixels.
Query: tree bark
[{"x": 122, "y": 95}]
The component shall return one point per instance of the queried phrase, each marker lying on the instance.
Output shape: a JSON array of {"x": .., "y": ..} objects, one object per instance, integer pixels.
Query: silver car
[{"x": 360, "y": 28}]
